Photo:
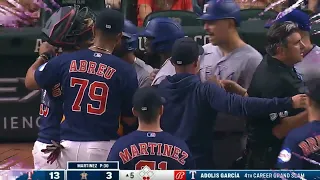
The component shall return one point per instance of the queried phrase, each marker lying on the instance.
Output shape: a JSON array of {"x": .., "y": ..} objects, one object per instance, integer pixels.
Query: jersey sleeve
[
  {"x": 114, "y": 155},
  {"x": 291, "y": 155},
  {"x": 131, "y": 85},
  {"x": 48, "y": 74},
  {"x": 233, "y": 104}
]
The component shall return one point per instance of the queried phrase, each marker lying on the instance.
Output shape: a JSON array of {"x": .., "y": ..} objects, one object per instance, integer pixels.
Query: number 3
[
  {"x": 101, "y": 98},
  {"x": 151, "y": 164}
]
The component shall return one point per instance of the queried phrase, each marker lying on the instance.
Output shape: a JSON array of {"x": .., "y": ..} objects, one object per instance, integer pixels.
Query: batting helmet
[
  {"x": 221, "y": 9},
  {"x": 68, "y": 25},
  {"x": 131, "y": 42},
  {"x": 164, "y": 32}
]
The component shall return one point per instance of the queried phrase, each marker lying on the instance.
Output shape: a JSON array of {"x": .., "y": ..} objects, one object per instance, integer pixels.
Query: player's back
[
  {"x": 97, "y": 87},
  {"x": 301, "y": 148},
  {"x": 157, "y": 150}
]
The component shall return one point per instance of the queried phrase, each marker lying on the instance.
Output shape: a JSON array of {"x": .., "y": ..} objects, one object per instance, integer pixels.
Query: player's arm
[
  {"x": 145, "y": 82},
  {"x": 43, "y": 76},
  {"x": 287, "y": 124},
  {"x": 46, "y": 52},
  {"x": 222, "y": 101},
  {"x": 30, "y": 81},
  {"x": 290, "y": 154},
  {"x": 130, "y": 87}
]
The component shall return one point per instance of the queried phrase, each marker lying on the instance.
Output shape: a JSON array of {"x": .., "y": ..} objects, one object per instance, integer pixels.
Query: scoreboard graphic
[{"x": 110, "y": 170}]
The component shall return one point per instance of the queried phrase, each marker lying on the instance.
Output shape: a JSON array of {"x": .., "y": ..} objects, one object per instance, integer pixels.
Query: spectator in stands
[
  {"x": 114, "y": 4},
  {"x": 11, "y": 13},
  {"x": 145, "y": 7}
]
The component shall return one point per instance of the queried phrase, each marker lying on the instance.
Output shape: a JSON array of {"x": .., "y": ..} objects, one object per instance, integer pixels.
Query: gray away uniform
[
  {"x": 310, "y": 64},
  {"x": 238, "y": 66},
  {"x": 143, "y": 72}
]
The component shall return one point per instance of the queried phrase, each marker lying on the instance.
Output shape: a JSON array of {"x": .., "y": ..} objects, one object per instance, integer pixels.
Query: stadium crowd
[{"x": 220, "y": 106}]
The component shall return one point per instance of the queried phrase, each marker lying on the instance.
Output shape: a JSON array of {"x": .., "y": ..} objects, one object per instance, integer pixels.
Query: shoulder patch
[
  {"x": 284, "y": 155},
  {"x": 42, "y": 66}
]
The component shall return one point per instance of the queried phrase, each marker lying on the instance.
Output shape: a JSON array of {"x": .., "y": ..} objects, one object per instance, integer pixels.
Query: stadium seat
[
  {"x": 253, "y": 14},
  {"x": 129, "y": 9},
  {"x": 186, "y": 18},
  {"x": 196, "y": 8}
]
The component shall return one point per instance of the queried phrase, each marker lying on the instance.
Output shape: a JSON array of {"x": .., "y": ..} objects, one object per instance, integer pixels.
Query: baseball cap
[
  {"x": 147, "y": 99},
  {"x": 299, "y": 17},
  {"x": 185, "y": 51},
  {"x": 110, "y": 21}
]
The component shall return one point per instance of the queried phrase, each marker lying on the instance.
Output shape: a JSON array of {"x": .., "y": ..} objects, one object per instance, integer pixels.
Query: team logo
[
  {"x": 273, "y": 116},
  {"x": 84, "y": 175},
  {"x": 180, "y": 175},
  {"x": 284, "y": 156}
]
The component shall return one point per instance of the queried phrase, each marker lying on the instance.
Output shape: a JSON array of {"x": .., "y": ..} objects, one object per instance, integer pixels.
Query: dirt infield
[{"x": 16, "y": 156}]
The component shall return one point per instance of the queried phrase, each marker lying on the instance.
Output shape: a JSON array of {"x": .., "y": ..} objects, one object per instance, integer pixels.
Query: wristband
[{"x": 46, "y": 56}]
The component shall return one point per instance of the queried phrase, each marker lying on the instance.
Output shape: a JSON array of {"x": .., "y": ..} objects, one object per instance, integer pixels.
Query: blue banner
[{"x": 93, "y": 165}]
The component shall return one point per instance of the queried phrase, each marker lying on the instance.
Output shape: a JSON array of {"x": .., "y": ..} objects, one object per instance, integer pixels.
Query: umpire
[
  {"x": 275, "y": 77},
  {"x": 191, "y": 106}
]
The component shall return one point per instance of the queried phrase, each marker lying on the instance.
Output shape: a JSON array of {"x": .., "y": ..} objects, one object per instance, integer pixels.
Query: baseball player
[
  {"x": 149, "y": 145},
  {"x": 192, "y": 106},
  {"x": 126, "y": 52},
  {"x": 161, "y": 33},
  {"x": 227, "y": 56},
  {"x": 97, "y": 88},
  {"x": 51, "y": 111},
  {"x": 300, "y": 149},
  {"x": 310, "y": 61}
]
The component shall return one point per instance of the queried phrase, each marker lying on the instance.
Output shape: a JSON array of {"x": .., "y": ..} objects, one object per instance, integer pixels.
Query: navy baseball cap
[
  {"x": 147, "y": 99},
  {"x": 299, "y": 17},
  {"x": 110, "y": 21},
  {"x": 185, "y": 51}
]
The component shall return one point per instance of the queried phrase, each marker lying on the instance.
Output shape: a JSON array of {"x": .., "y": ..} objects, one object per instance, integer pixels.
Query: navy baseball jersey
[
  {"x": 51, "y": 114},
  {"x": 157, "y": 150},
  {"x": 97, "y": 88},
  {"x": 301, "y": 148}
]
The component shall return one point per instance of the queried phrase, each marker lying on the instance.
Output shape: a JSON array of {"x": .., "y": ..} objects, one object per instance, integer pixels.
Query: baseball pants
[
  {"x": 84, "y": 151},
  {"x": 40, "y": 158}
]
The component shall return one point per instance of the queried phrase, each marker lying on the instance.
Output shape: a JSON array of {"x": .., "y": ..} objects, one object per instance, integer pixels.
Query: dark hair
[
  {"x": 149, "y": 116},
  {"x": 277, "y": 35}
]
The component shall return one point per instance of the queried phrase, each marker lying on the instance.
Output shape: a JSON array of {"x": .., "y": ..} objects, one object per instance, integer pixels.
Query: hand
[
  {"x": 233, "y": 87},
  {"x": 54, "y": 151},
  {"x": 153, "y": 74},
  {"x": 45, "y": 47},
  {"x": 299, "y": 101}
]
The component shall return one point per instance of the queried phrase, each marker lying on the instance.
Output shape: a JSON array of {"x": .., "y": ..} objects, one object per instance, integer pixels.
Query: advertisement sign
[{"x": 19, "y": 117}]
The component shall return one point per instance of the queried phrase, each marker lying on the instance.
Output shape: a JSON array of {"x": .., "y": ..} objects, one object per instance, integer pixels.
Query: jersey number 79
[{"x": 101, "y": 98}]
